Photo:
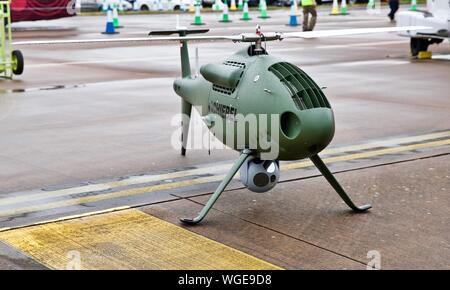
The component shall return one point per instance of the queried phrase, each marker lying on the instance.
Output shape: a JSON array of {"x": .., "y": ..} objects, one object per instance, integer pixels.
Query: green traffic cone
[
  {"x": 225, "y": 16},
  {"x": 216, "y": 6},
  {"x": 344, "y": 7},
  {"x": 263, "y": 10},
  {"x": 116, "y": 17},
  {"x": 240, "y": 4},
  {"x": 198, "y": 16},
  {"x": 413, "y": 5},
  {"x": 245, "y": 14}
]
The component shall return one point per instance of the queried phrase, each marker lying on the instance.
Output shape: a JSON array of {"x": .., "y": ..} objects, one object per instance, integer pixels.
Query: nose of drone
[{"x": 305, "y": 133}]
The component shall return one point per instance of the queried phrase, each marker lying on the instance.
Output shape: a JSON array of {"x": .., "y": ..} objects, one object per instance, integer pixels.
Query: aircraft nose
[{"x": 305, "y": 133}]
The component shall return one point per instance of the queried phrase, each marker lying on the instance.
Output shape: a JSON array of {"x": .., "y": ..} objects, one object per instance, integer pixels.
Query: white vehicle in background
[
  {"x": 155, "y": 5},
  {"x": 126, "y": 5},
  {"x": 436, "y": 16},
  {"x": 99, "y": 4}
]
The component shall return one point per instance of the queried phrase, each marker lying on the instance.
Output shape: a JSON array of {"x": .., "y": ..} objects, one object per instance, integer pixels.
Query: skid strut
[
  {"x": 245, "y": 155},
  {"x": 237, "y": 165},
  {"x": 335, "y": 184}
]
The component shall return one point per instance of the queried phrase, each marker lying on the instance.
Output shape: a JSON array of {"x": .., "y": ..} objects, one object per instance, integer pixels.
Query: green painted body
[
  {"x": 251, "y": 84},
  {"x": 261, "y": 84}
]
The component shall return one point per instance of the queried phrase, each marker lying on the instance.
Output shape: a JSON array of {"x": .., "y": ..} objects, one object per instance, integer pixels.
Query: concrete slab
[
  {"x": 265, "y": 243},
  {"x": 407, "y": 225},
  {"x": 11, "y": 259},
  {"x": 127, "y": 239}
]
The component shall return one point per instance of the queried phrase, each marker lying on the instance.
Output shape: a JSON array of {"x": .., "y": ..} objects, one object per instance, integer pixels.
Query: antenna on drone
[
  {"x": 258, "y": 47},
  {"x": 196, "y": 62}
]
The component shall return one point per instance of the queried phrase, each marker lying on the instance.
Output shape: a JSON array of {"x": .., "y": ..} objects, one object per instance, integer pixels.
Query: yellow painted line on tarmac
[
  {"x": 112, "y": 185},
  {"x": 109, "y": 195},
  {"x": 136, "y": 180},
  {"x": 202, "y": 180},
  {"x": 387, "y": 143},
  {"x": 128, "y": 239},
  {"x": 369, "y": 154}
]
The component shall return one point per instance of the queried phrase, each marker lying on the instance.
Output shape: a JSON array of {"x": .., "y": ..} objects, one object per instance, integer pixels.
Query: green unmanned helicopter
[{"x": 253, "y": 82}]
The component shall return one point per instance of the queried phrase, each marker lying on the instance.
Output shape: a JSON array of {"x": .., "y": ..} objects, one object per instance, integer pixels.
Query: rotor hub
[{"x": 257, "y": 39}]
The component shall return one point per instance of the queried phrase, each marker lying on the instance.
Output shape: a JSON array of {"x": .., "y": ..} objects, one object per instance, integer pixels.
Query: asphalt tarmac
[{"x": 87, "y": 165}]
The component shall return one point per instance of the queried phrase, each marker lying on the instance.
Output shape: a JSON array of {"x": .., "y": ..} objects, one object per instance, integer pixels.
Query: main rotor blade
[
  {"x": 127, "y": 40},
  {"x": 343, "y": 32},
  {"x": 249, "y": 37}
]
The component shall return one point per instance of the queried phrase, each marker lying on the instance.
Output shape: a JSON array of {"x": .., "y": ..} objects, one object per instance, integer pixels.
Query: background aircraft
[{"x": 436, "y": 16}]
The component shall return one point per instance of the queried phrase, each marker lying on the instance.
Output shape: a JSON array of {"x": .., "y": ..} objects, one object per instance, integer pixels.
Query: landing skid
[
  {"x": 335, "y": 184},
  {"x": 237, "y": 165},
  {"x": 245, "y": 155}
]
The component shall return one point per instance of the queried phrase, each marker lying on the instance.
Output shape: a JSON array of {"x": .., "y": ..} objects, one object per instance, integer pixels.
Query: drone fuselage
[{"x": 248, "y": 84}]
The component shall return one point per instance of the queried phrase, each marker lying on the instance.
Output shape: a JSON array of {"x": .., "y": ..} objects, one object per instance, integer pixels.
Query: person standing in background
[
  {"x": 393, "y": 4},
  {"x": 309, "y": 7}
]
